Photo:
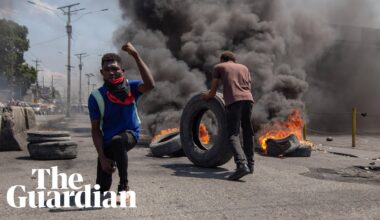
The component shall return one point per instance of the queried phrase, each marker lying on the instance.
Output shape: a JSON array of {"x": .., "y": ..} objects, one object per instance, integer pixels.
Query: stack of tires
[{"x": 51, "y": 145}]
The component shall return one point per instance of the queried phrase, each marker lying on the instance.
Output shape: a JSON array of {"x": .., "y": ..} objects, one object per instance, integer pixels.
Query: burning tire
[
  {"x": 53, "y": 150},
  {"x": 302, "y": 151},
  {"x": 218, "y": 153},
  {"x": 289, "y": 146},
  {"x": 168, "y": 144}
]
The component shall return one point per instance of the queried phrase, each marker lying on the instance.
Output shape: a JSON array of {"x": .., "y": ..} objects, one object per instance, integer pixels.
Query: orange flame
[
  {"x": 282, "y": 129},
  {"x": 164, "y": 132},
  {"x": 203, "y": 133}
]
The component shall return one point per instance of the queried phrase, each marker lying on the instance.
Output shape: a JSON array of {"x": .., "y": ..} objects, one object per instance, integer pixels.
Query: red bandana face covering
[
  {"x": 119, "y": 91},
  {"x": 117, "y": 80}
]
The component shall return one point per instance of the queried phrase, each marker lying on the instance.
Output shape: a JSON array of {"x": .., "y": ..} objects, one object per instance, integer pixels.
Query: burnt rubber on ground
[{"x": 219, "y": 153}]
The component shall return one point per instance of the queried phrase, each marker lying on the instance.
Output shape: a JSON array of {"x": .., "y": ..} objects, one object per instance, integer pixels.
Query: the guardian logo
[{"x": 69, "y": 188}]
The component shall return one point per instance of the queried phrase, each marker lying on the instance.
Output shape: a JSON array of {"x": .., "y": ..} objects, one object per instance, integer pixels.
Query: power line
[
  {"x": 91, "y": 12},
  {"x": 48, "y": 41}
]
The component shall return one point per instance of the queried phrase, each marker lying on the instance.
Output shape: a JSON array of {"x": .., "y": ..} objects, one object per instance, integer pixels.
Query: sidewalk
[{"x": 363, "y": 142}]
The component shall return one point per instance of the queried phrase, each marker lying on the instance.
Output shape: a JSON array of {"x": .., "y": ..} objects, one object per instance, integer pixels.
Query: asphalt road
[{"x": 324, "y": 186}]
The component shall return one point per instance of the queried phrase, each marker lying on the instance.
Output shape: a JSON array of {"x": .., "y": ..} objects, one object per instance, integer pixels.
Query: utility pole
[
  {"x": 89, "y": 75},
  {"x": 37, "y": 87},
  {"x": 80, "y": 55},
  {"x": 69, "y": 30},
  {"x": 52, "y": 88}
]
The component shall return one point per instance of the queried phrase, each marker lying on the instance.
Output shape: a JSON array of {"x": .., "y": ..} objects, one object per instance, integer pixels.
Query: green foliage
[
  {"x": 13, "y": 44},
  {"x": 25, "y": 76}
]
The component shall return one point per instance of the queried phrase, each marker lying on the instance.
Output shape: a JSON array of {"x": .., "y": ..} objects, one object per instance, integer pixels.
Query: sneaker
[
  {"x": 241, "y": 171},
  {"x": 122, "y": 188},
  {"x": 118, "y": 199}
]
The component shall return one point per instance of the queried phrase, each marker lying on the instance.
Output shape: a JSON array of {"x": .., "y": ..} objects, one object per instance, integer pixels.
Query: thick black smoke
[
  {"x": 348, "y": 74},
  {"x": 182, "y": 40},
  {"x": 296, "y": 52}
]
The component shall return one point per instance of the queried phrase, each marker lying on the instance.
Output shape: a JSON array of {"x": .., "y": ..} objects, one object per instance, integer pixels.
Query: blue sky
[{"x": 92, "y": 33}]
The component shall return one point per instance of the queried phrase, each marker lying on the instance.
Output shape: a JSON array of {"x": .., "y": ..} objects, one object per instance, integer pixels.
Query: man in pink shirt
[{"x": 236, "y": 80}]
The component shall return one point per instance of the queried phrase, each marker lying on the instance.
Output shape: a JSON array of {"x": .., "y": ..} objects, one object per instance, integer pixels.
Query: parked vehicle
[{"x": 36, "y": 108}]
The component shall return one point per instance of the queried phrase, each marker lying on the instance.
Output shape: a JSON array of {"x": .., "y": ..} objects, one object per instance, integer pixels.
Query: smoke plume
[
  {"x": 282, "y": 45},
  {"x": 182, "y": 40},
  {"x": 347, "y": 75}
]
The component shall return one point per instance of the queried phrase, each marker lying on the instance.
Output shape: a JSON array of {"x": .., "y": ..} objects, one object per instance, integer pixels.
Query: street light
[{"x": 41, "y": 6}]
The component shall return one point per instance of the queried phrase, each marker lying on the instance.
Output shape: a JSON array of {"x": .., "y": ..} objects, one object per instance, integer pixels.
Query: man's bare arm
[
  {"x": 213, "y": 89},
  {"x": 97, "y": 137},
  {"x": 148, "y": 81}
]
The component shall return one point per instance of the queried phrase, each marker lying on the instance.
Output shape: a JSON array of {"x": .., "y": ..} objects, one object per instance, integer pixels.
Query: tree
[
  {"x": 13, "y": 70},
  {"x": 24, "y": 77}
]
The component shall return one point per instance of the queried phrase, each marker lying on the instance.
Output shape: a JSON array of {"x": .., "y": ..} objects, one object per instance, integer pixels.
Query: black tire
[
  {"x": 34, "y": 139},
  {"x": 276, "y": 147},
  {"x": 166, "y": 145},
  {"x": 48, "y": 134},
  {"x": 53, "y": 150},
  {"x": 219, "y": 153},
  {"x": 179, "y": 153},
  {"x": 144, "y": 140},
  {"x": 303, "y": 151}
]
